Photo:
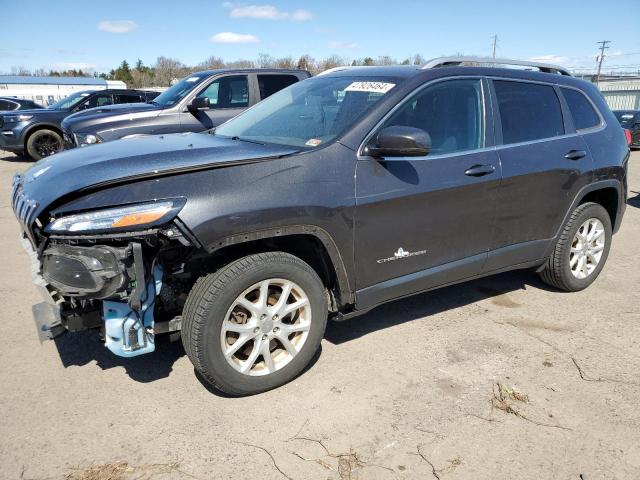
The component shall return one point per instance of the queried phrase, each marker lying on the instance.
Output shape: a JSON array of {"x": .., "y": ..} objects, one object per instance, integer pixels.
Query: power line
[{"x": 603, "y": 46}]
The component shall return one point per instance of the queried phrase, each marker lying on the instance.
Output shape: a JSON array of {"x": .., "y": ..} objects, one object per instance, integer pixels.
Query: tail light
[{"x": 627, "y": 134}]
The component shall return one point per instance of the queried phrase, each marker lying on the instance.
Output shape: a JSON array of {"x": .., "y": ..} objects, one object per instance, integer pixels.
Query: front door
[{"x": 427, "y": 221}]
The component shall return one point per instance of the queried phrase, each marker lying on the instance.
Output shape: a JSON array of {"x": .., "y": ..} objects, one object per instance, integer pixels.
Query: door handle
[
  {"x": 575, "y": 154},
  {"x": 480, "y": 170}
]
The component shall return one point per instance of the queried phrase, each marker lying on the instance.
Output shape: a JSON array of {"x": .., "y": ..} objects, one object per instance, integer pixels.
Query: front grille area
[{"x": 24, "y": 207}]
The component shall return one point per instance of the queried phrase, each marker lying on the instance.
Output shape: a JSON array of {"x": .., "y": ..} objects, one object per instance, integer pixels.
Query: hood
[
  {"x": 40, "y": 112},
  {"x": 84, "y": 168},
  {"x": 111, "y": 113}
]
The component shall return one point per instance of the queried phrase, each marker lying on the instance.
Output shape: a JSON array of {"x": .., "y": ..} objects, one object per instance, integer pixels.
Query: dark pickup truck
[
  {"x": 339, "y": 193},
  {"x": 38, "y": 133},
  {"x": 198, "y": 102}
]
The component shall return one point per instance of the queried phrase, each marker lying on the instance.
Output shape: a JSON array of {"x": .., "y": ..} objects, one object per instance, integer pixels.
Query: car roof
[
  {"x": 411, "y": 71},
  {"x": 248, "y": 70}
]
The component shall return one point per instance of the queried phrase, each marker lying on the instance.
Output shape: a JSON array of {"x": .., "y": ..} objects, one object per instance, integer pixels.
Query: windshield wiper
[{"x": 240, "y": 139}]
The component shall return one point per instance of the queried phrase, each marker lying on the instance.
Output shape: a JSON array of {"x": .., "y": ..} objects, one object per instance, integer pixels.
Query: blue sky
[{"x": 99, "y": 35}]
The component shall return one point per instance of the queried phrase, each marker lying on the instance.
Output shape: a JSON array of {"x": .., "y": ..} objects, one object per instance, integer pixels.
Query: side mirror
[
  {"x": 200, "y": 103},
  {"x": 400, "y": 141}
]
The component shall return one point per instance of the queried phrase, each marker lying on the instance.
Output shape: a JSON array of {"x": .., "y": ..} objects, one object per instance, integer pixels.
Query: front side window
[
  {"x": 100, "y": 100},
  {"x": 310, "y": 113},
  {"x": 450, "y": 112},
  {"x": 584, "y": 116},
  {"x": 528, "y": 111},
  {"x": 228, "y": 92}
]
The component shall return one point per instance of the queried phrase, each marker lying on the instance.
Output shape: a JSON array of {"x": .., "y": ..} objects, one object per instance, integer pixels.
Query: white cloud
[
  {"x": 343, "y": 45},
  {"x": 230, "y": 37},
  {"x": 267, "y": 12},
  {"x": 73, "y": 66},
  {"x": 117, "y": 26}
]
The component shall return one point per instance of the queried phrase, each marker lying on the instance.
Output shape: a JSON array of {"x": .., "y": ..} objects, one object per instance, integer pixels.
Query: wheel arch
[
  {"x": 39, "y": 126},
  {"x": 311, "y": 244},
  {"x": 608, "y": 197}
]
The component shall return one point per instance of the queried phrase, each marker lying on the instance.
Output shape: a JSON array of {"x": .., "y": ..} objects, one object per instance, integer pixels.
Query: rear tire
[
  {"x": 581, "y": 251},
  {"x": 242, "y": 304},
  {"x": 43, "y": 143}
]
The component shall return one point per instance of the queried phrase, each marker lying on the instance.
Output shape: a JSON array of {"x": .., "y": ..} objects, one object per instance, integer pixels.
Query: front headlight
[
  {"x": 17, "y": 118},
  {"x": 117, "y": 218},
  {"x": 83, "y": 139}
]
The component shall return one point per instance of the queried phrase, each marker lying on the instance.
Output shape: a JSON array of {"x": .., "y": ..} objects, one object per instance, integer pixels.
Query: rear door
[
  {"x": 228, "y": 96},
  {"x": 425, "y": 221},
  {"x": 545, "y": 162}
]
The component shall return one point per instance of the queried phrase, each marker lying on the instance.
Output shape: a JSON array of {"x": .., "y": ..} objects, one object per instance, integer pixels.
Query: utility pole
[
  {"x": 495, "y": 43},
  {"x": 603, "y": 47}
]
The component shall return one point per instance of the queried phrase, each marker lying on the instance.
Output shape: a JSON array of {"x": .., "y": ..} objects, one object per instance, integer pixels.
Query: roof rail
[
  {"x": 483, "y": 61},
  {"x": 334, "y": 69}
]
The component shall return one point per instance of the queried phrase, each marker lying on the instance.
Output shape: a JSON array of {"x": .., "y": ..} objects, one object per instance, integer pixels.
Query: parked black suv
[
  {"x": 198, "y": 102},
  {"x": 337, "y": 194},
  {"x": 38, "y": 132},
  {"x": 630, "y": 119}
]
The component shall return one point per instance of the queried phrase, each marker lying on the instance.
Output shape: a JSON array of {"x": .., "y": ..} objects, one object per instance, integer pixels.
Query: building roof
[{"x": 31, "y": 80}]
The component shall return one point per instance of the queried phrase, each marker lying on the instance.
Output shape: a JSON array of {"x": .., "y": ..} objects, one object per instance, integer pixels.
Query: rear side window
[
  {"x": 270, "y": 84},
  {"x": 584, "y": 116},
  {"x": 128, "y": 98},
  {"x": 7, "y": 105},
  {"x": 528, "y": 111}
]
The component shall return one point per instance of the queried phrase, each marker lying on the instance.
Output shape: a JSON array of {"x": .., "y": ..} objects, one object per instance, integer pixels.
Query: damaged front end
[{"x": 94, "y": 275}]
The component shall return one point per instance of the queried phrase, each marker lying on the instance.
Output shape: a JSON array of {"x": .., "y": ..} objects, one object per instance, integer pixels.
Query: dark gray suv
[
  {"x": 353, "y": 188},
  {"x": 198, "y": 102}
]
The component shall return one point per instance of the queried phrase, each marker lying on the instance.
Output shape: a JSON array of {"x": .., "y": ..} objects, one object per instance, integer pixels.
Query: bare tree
[
  {"x": 212, "y": 63},
  {"x": 306, "y": 62},
  {"x": 241, "y": 64},
  {"x": 265, "y": 60},
  {"x": 386, "y": 60},
  {"x": 167, "y": 70},
  {"x": 331, "y": 62},
  {"x": 285, "y": 62}
]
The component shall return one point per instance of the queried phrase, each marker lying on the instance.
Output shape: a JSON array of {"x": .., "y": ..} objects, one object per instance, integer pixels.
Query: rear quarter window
[
  {"x": 582, "y": 111},
  {"x": 528, "y": 111}
]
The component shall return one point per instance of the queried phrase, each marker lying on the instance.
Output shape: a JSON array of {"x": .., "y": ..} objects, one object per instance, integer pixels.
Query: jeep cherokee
[{"x": 334, "y": 195}]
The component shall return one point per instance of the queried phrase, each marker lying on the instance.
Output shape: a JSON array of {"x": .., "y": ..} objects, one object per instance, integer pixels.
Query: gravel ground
[{"x": 497, "y": 378}]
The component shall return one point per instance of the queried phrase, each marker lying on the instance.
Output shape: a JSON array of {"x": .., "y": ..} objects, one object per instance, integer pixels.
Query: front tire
[
  {"x": 581, "y": 251},
  {"x": 255, "y": 324},
  {"x": 43, "y": 143}
]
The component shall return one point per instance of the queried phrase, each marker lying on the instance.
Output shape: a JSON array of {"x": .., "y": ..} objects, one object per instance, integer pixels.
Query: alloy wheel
[
  {"x": 265, "y": 327},
  {"x": 586, "y": 248}
]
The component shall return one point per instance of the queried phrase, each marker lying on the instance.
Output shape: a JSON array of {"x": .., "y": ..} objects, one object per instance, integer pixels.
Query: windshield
[
  {"x": 174, "y": 94},
  {"x": 70, "y": 101},
  {"x": 310, "y": 113},
  {"x": 624, "y": 117}
]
